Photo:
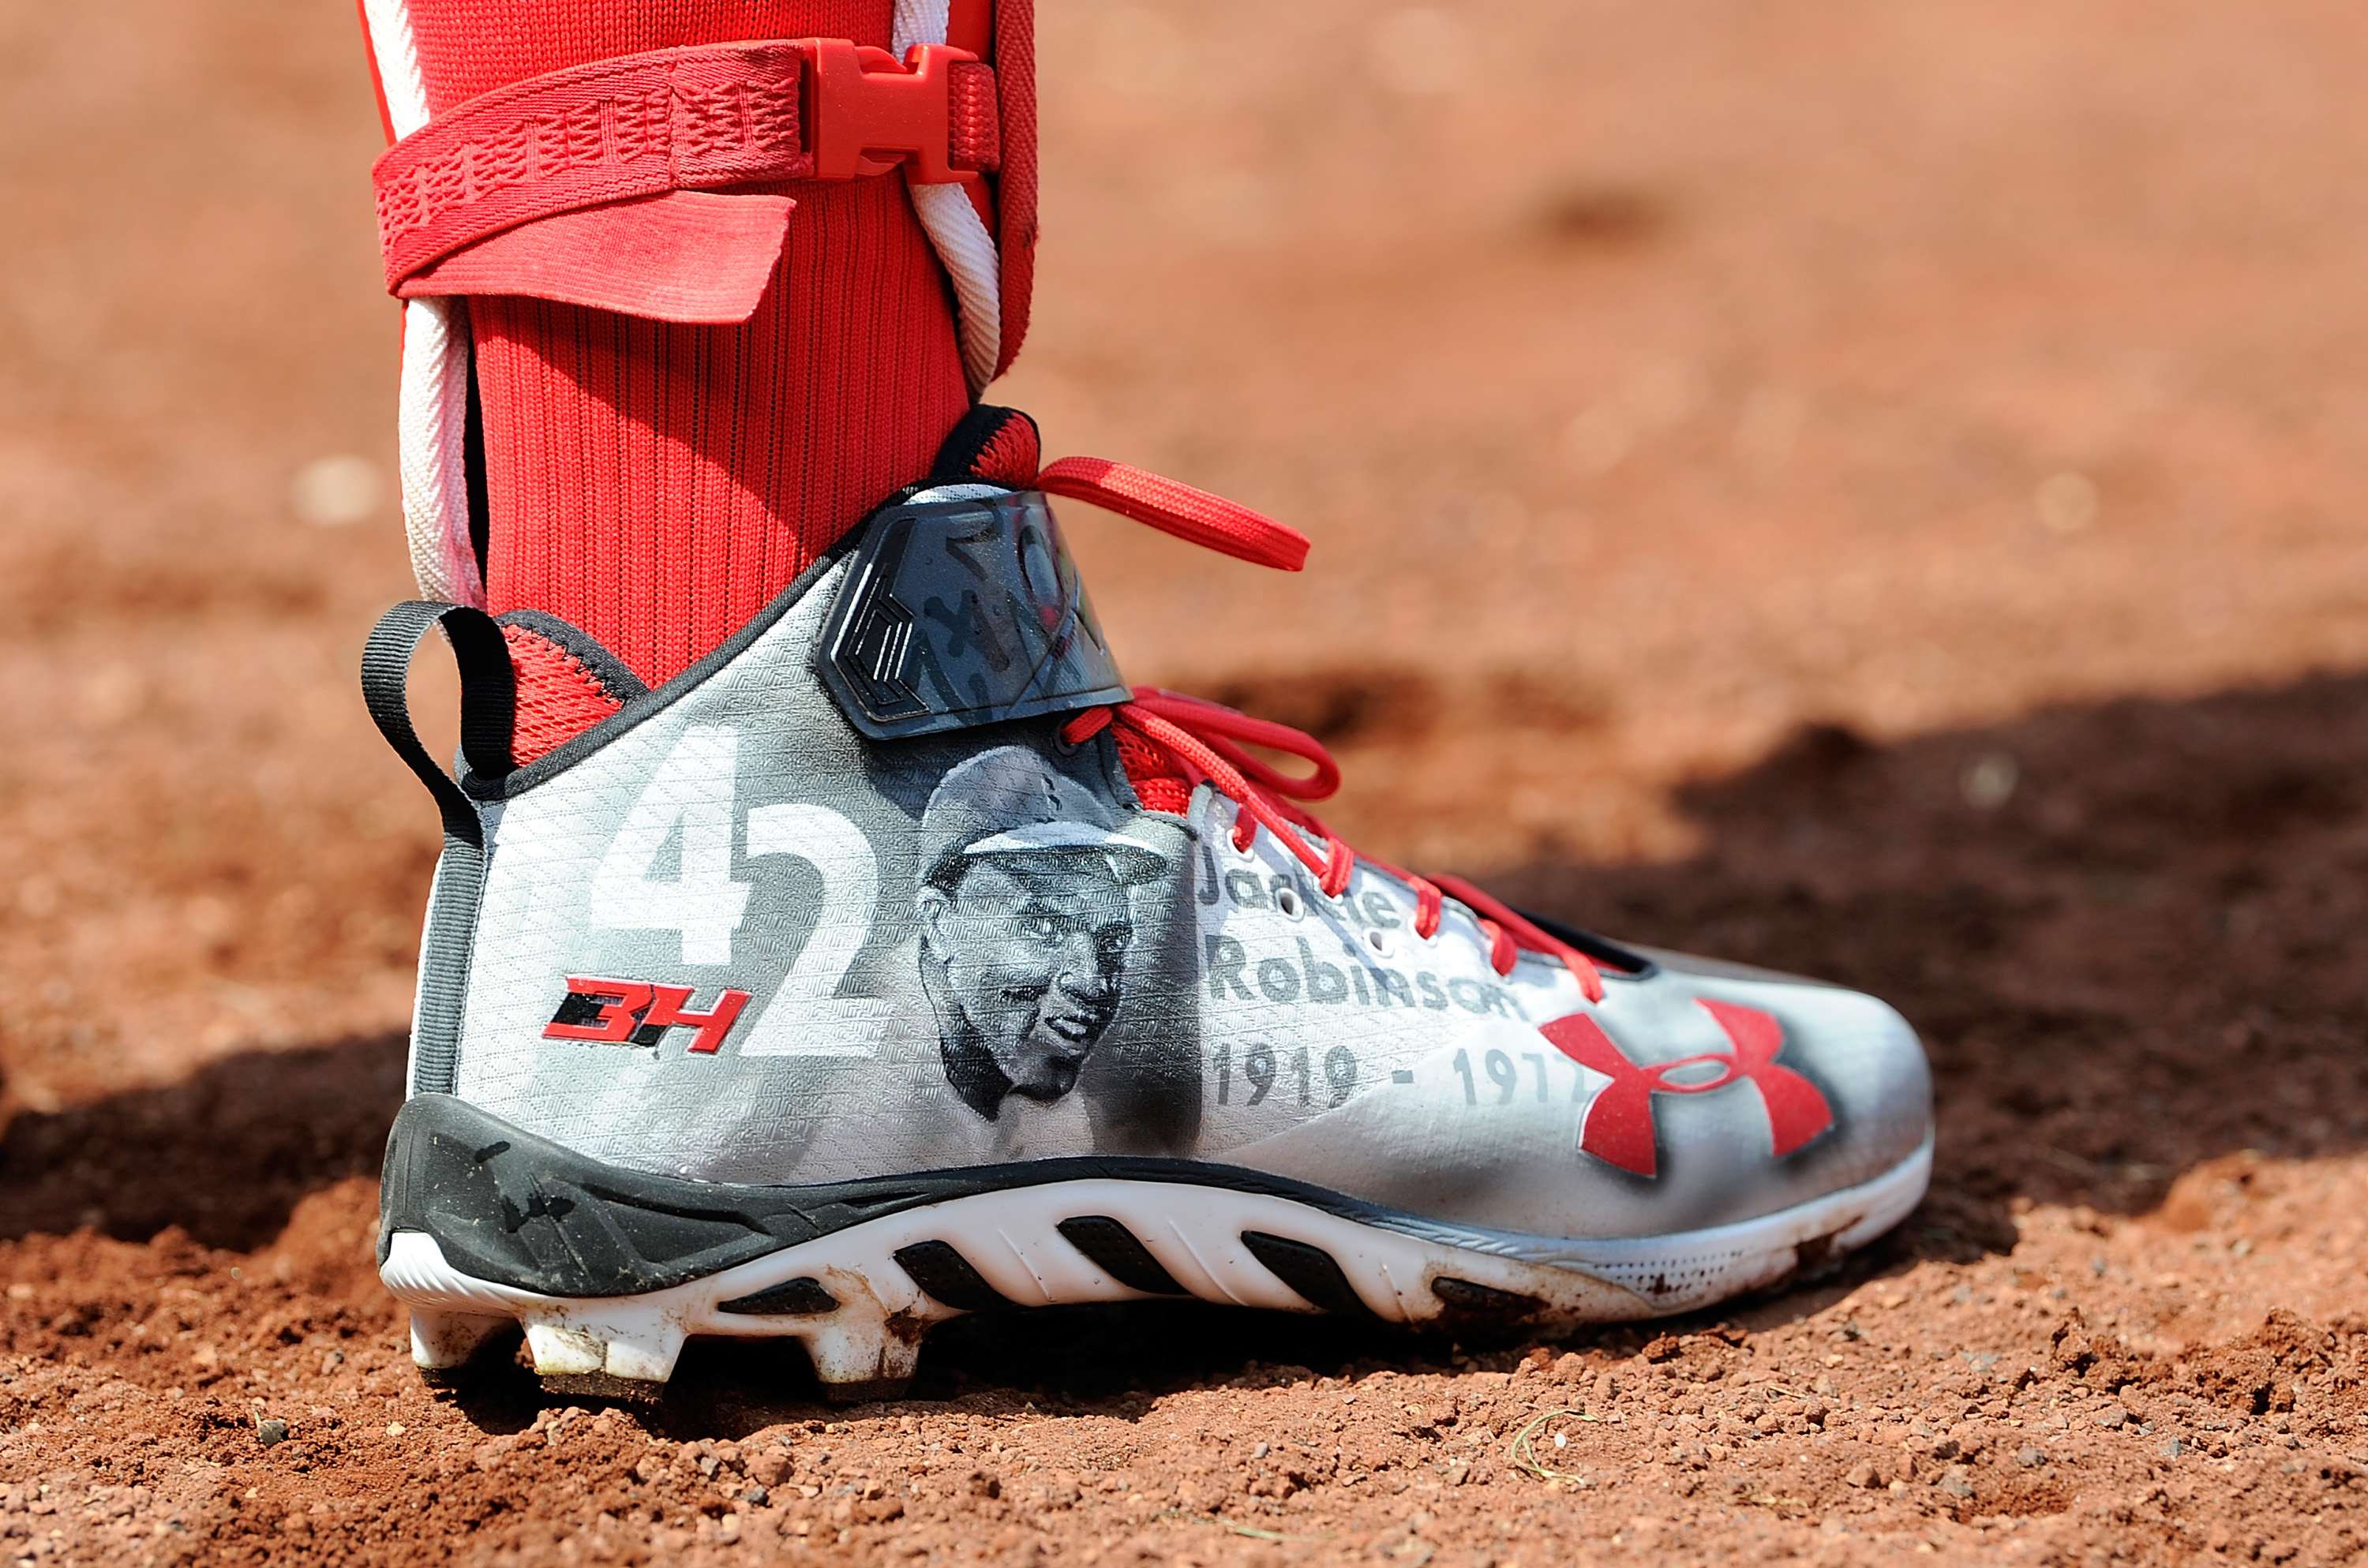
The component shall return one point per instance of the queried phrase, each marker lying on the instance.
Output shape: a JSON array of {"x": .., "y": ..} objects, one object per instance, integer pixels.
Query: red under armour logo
[{"x": 1620, "y": 1123}]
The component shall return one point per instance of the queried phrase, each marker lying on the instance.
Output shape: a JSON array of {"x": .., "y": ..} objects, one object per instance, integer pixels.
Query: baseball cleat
[
  {"x": 827, "y": 940},
  {"x": 897, "y": 961}
]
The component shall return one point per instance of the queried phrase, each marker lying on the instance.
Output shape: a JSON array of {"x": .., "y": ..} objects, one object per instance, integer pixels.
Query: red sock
[{"x": 657, "y": 482}]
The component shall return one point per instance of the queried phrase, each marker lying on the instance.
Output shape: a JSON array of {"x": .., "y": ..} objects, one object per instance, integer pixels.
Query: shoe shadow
[
  {"x": 226, "y": 1153},
  {"x": 2130, "y": 934}
]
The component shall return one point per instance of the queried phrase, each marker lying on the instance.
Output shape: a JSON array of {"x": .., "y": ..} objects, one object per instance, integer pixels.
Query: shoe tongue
[
  {"x": 1160, "y": 782},
  {"x": 567, "y": 682}
]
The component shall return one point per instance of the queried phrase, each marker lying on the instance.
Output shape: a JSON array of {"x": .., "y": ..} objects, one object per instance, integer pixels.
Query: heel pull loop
[{"x": 488, "y": 700}]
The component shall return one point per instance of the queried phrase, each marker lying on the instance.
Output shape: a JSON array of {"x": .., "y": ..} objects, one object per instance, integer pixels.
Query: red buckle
[
  {"x": 935, "y": 114},
  {"x": 700, "y": 118}
]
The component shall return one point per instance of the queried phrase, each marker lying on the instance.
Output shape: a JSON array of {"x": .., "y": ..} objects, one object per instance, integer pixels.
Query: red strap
[
  {"x": 692, "y": 118},
  {"x": 1209, "y": 521},
  {"x": 670, "y": 120},
  {"x": 686, "y": 255}
]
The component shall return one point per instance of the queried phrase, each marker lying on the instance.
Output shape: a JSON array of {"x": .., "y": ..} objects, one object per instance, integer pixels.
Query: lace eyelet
[
  {"x": 1287, "y": 900},
  {"x": 1379, "y": 941}
]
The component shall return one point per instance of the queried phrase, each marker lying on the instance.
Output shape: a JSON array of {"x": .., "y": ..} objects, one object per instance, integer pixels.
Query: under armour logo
[{"x": 1620, "y": 1123}]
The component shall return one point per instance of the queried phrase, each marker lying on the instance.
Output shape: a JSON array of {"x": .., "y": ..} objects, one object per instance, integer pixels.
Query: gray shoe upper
[{"x": 974, "y": 945}]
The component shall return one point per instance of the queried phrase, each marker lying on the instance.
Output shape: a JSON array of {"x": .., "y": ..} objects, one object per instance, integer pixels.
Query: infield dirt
[{"x": 1866, "y": 490}]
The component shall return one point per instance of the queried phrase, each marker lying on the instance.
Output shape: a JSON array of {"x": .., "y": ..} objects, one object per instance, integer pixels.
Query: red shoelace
[{"x": 1207, "y": 739}]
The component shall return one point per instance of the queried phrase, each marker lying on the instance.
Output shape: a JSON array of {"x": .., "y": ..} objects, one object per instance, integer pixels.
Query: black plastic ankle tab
[
  {"x": 960, "y": 613},
  {"x": 488, "y": 700}
]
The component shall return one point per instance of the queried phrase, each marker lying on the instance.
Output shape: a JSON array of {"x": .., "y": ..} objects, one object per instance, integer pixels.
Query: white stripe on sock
[
  {"x": 432, "y": 426},
  {"x": 954, "y": 226},
  {"x": 917, "y": 21},
  {"x": 432, "y": 411},
  {"x": 968, "y": 252},
  {"x": 398, "y": 64}
]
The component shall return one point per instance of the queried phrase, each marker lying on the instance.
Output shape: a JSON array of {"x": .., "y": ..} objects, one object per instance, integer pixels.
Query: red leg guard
[{"x": 656, "y": 484}]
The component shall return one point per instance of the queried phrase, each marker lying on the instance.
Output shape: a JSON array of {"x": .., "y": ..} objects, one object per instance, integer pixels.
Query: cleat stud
[
  {"x": 639, "y": 1353},
  {"x": 858, "y": 1360},
  {"x": 601, "y": 1385},
  {"x": 644, "y": 1359},
  {"x": 564, "y": 1352},
  {"x": 443, "y": 1344}
]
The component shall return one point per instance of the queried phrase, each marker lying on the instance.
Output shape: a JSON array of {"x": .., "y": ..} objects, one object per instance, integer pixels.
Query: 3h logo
[
  {"x": 1620, "y": 1123},
  {"x": 636, "y": 1012}
]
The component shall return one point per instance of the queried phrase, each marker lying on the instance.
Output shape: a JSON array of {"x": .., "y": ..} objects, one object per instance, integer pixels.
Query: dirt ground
[{"x": 1863, "y": 489}]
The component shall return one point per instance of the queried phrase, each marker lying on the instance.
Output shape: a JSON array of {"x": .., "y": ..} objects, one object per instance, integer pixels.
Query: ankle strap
[{"x": 691, "y": 119}]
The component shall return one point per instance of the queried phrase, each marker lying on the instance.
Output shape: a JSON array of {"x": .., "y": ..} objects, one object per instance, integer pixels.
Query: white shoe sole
[{"x": 861, "y": 1299}]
